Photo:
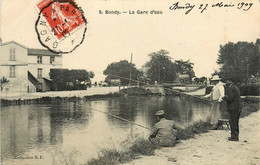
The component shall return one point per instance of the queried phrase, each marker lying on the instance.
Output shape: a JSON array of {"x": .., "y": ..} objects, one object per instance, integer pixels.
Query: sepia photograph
[{"x": 130, "y": 82}]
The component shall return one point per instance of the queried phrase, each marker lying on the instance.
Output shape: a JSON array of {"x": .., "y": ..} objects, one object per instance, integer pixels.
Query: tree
[
  {"x": 121, "y": 70},
  {"x": 91, "y": 74},
  {"x": 3, "y": 81},
  {"x": 160, "y": 67},
  {"x": 239, "y": 61},
  {"x": 216, "y": 72},
  {"x": 61, "y": 77},
  {"x": 185, "y": 67}
]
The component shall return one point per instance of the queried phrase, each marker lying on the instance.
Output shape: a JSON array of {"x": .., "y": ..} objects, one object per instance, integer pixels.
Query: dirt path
[{"x": 213, "y": 148}]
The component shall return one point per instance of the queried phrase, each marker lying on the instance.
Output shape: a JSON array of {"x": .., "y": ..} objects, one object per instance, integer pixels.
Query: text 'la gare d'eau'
[{"x": 139, "y": 12}]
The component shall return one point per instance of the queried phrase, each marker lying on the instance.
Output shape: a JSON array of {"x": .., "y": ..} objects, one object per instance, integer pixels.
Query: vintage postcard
[{"x": 134, "y": 82}]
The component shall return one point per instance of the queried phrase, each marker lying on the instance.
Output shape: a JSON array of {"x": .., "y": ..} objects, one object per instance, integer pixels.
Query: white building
[
  {"x": 40, "y": 61},
  {"x": 25, "y": 70}
]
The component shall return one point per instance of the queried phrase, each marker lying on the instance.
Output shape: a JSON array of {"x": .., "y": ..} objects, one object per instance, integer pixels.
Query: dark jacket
[
  {"x": 165, "y": 131},
  {"x": 232, "y": 97}
]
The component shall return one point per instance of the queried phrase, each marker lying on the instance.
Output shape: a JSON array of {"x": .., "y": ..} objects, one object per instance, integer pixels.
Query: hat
[
  {"x": 159, "y": 113},
  {"x": 215, "y": 78}
]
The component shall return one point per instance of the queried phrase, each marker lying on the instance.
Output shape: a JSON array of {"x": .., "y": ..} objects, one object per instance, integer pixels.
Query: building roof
[
  {"x": 43, "y": 52},
  {"x": 32, "y": 51},
  {"x": 9, "y": 42}
]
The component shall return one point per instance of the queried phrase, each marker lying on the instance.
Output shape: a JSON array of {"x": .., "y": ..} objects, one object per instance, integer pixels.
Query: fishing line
[
  {"x": 123, "y": 119},
  {"x": 164, "y": 88},
  {"x": 188, "y": 94}
]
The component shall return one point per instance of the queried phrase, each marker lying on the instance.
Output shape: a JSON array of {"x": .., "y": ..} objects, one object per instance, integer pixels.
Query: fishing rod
[{"x": 187, "y": 94}]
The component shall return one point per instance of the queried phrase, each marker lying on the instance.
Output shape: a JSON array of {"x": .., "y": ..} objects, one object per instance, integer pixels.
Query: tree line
[
  {"x": 239, "y": 61},
  {"x": 75, "y": 79},
  {"x": 159, "y": 68}
]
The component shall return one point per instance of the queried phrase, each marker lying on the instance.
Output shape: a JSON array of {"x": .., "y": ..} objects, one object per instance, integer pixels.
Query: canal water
[{"x": 58, "y": 132}]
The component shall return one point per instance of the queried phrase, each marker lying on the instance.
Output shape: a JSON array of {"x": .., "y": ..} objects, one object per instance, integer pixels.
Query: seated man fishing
[{"x": 164, "y": 132}]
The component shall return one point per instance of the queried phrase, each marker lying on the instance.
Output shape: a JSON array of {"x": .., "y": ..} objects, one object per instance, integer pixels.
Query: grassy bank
[
  {"x": 249, "y": 105},
  {"x": 191, "y": 130},
  {"x": 115, "y": 156},
  {"x": 144, "y": 147}
]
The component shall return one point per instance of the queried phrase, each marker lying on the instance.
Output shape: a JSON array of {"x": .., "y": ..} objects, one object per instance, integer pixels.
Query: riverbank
[
  {"x": 140, "y": 146},
  {"x": 58, "y": 96},
  {"x": 77, "y": 93},
  {"x": 90, "y": 93},
  {"x": 213, "y": 148},
  {"x": 209, "y": 148}
]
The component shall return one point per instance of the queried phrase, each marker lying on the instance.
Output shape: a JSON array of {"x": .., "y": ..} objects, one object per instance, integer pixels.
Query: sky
[{"x": 111, "y": 38}]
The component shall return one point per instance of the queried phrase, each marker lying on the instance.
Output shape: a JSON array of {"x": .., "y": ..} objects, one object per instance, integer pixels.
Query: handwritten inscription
[{"x": 188, "y": 7}]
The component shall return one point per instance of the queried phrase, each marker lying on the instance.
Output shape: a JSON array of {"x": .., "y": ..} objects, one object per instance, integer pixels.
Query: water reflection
[{"x": 28, "y": 129}]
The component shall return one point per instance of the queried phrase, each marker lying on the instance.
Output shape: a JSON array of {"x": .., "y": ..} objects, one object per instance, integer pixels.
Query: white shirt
[{"x": 217, "y": 93}]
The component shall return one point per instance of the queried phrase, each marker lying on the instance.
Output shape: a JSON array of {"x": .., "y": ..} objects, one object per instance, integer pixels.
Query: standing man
[
  {"x": 164, "y": 132},
  {"x": 216, "y": 96},
  {"x": 232, "y": 98}
]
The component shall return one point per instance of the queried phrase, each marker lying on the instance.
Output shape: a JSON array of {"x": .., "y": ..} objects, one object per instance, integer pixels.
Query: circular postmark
[{"x": 61, "y": 25}]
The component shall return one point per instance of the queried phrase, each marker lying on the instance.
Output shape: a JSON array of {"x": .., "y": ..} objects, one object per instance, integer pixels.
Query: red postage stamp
[{"x": 63, "y": 18}]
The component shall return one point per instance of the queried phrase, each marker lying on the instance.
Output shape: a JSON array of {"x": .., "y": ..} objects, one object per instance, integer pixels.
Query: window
[
  {"x": 39, "y": 59},
  {"x": 52, "y": 59},
  {"x": 12, "y": 71},
  {"x": 39, "y": 72},
  {"x": 12, "y": 54}
]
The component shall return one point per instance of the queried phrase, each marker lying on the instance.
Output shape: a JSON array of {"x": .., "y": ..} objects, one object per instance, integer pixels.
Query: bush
[
  {"x": 249, "y": 89},
  {"x": 249, "y": 105},
  {"x": 134, "y": 91},
  {"x": 138, "y": 147},
  {"x": 189, "y": 131},
  {"x": 142, "y": 147},
  {"x": 245, "y": 90},
  {"x": 107, "y": 156}
]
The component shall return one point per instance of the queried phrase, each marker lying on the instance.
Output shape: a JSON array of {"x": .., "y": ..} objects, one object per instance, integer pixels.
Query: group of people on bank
[{"x": 165, "y": 131}]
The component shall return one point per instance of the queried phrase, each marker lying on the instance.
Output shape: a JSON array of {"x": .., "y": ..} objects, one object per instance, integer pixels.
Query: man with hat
[
  {"x": 217, "y": 94},
  {"x": 232, "y": 98},
  {"x": 164, "y": 132}
]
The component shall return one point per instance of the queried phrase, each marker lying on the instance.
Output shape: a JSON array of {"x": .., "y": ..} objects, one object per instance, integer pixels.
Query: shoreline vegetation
[
  {"x": 135, "y": 91},
  {"x": 143, "y": 147},
  {"x": 132, "y": 92}
]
